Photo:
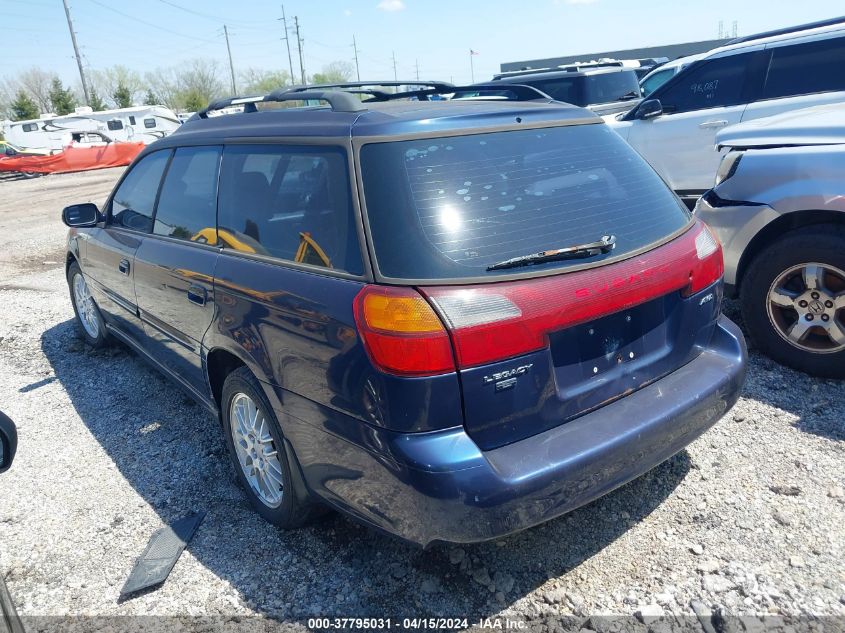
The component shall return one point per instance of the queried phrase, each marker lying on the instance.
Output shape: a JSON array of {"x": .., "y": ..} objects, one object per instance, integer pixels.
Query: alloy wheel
[
  {"x": 257, "y": 452},
  {"x": 806, "y": 304},
  {"x": 85, "y": 306}
]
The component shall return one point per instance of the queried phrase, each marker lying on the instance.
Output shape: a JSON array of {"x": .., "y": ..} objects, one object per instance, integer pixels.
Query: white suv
[{"x": 675, "y": 128}]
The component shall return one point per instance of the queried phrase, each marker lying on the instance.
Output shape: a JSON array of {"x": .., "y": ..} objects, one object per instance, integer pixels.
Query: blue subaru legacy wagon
[{"x": 450, "y": 319}]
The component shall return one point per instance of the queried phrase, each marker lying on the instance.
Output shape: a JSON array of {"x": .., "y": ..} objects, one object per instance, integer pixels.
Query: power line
[
  {"x": 150, "y": 24},
  {"x": 76, "y": 53},
  {"x": 208, "y": 15}
]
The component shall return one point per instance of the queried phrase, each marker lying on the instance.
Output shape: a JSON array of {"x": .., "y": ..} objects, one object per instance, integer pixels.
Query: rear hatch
[{"x": 534, "y": 342}]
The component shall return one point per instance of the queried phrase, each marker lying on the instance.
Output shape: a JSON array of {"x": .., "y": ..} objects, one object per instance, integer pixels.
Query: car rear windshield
[
  {"x": 447, "y": 208},
  {"x": 584, "y": 90}
]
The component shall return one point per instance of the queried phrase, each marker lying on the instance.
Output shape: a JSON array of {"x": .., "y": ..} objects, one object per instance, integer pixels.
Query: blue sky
[{"x": 436, "y": 33}]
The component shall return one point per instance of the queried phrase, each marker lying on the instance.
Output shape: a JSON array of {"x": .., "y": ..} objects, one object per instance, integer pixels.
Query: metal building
[{"x": 672, "y": 51}]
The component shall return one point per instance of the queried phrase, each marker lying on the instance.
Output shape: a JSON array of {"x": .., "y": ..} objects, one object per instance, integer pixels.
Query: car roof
[
  {"x": 748, "y": 43},
  {"x": 556, "y": 74},
  {"x": 379, "y": 119}
]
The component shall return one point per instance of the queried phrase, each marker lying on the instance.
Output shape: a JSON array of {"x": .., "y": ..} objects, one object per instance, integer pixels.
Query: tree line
[{"x": 185, "y": 88}]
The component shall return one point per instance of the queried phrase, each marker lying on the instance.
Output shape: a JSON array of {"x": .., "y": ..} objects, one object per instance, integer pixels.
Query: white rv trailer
[{"x": 140, "y": 124}]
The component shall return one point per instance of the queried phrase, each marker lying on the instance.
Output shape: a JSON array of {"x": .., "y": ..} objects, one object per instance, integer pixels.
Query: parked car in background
[
  {"x": 604, "y": 88},
  {"x": 778, "y": 208},
  {"x": 10, "y": 149},
  {"x": 663, "y": 73},
  {"x": 753, "y": 77},
  {"x": 515, "y": 317}
]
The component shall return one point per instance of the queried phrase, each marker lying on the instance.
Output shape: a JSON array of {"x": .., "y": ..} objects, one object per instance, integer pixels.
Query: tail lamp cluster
[{"x": 434, "y": 330}]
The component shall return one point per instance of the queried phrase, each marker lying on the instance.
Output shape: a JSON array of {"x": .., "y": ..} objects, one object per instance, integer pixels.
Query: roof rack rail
[
  {"x": 346, "y": 101},
  {"x": 522, "y": 92},
  {"x": 787, "y": 30},
  {"x": 338, "y": 100},
  {"x": 370, "y": 88}
]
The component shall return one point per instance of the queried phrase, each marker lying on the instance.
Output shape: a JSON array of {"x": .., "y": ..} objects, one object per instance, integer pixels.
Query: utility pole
[
  {"x": 299, "y": 44},
  {"x": 395, "y": 76},
  {"x": 417, "y": 65},
  {"x": 355, "y": 49},
  {"x": 231, "y": 65},
  {"x": 76, "y": 53},
  {"x": 287, "y": 43}
]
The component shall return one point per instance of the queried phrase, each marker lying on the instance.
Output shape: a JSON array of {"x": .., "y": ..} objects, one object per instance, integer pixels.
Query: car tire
[
  {"x": 785, "y": 316},
  {"x": 89, "y": 319},
  {"x": 260, "y": 457}
]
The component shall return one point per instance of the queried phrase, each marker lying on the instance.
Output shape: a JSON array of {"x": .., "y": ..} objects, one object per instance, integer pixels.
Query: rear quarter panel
[{"x": 296, "y": 331}]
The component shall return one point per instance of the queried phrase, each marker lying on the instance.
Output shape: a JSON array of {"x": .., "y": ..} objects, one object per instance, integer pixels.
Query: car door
[
  {"x": 174, "y": 266},
  {"x": 108, "y": 259},
  {"x": 801, "y": 74},
  {"x": 697, "y": 103}
]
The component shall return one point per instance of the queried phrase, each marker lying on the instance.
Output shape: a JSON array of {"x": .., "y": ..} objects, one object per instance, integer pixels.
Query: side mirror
[
  {"x": 8, "y": 442},
  {"x": 81, "y": 215},
  {"x": 649, "y": 109}
]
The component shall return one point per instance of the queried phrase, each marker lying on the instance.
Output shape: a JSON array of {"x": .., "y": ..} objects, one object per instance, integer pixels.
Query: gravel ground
[{"x": 747, "y": 521}]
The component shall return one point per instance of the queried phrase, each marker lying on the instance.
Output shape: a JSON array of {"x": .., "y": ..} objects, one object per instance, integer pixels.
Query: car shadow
[
  {"x": 811, "y": 400},
  {"x": 172, "y": 453}
]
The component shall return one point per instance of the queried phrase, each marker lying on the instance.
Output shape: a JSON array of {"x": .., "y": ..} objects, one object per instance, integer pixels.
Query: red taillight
[
  {"x": 492, "y": 322},
  {"x": 710, "y": 264},
  {"x": 401, "y": 333}
]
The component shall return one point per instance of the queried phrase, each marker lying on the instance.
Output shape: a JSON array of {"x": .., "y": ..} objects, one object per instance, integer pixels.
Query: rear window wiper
[{"x": 604, "y": 245}]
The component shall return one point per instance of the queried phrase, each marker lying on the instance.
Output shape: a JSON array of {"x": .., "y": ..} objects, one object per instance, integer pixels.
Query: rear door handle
[
  {"x": 197, "y": 294},
  {"x": 712, "y": 124},
  {"x": 123, "y": 266}
]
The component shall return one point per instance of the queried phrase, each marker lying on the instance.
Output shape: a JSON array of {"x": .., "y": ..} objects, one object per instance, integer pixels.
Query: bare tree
[
  {"x": 259, "y": 81},
  {"x": 335, "y": 72},
  {"x": 118, "y": 79},
  {"x": 37, "y": 83},
  {"x": 164, "y": 84},
  {"x": 200, "y": 78}
]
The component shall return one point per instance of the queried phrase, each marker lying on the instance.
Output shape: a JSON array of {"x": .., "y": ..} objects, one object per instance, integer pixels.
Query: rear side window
[
  {"x": 187, "y": 206},
  {"x": 448, "y": 208},
  {"x": 567, "y": 89},
  {"x": 707, "y": 84},
  {"x": 608, "y": 87},
  {"x": 133, "y": 202},
  {"x": 806, "y": 68},
  {"x": 289, "y": 202}
]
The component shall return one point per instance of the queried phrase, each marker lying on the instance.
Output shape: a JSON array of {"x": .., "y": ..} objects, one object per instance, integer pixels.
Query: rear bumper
[{"x": 431, "y": 487}]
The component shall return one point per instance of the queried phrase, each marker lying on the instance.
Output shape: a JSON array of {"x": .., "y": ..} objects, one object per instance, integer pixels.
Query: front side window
[
  {"x": 806, "y": 69},
  {"x": 707, "y": 84},
  {"x": 449, "y": 208},
  {"x": 187, "y": 206},
  {"x": 656, "y": 80},
  {"x": 115, "y": 124},
  {"x": 289, "y": 202},
  {"x": 133, "y": 202}
]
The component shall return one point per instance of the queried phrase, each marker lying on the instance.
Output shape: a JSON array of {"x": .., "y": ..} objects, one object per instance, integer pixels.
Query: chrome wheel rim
[
  {"x": 85, "y": 308},
  {"x": 806, "y": 304},
  {"x": 256, "y": 450}
]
